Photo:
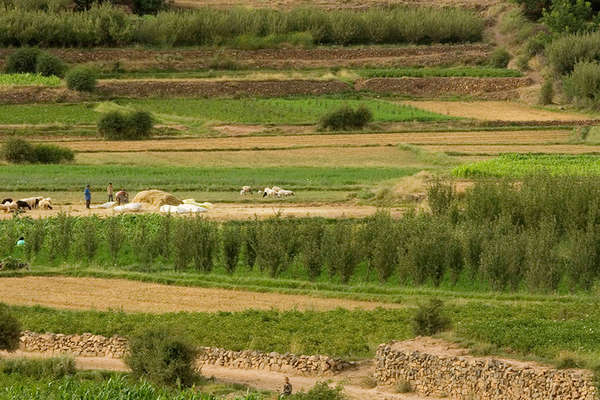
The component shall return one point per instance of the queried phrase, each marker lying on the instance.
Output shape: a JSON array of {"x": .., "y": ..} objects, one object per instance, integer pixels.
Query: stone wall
[
  {"x": 449, "y": 374},
  {"x": 88, "y": 345}
]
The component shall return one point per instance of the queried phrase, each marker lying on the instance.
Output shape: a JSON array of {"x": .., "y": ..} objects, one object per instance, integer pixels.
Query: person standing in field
[
  {"x": 109, "y": 190},
  {"x": 87, "y": 194},
  {"x": 287, "y": 388}
]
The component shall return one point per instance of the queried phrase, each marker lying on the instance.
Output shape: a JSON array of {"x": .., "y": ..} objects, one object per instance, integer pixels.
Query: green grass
[
  {"x": 75, "y": 177},
  {"x": 477, "y": 72},
  {"x": 28, "y": 80},
  {"x": 196, "y": 112},
  {"x": 520, "y": 165}
]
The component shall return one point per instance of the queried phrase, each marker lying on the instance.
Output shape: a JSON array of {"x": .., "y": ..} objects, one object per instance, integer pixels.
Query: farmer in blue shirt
[{"x": 88, "y": 196}]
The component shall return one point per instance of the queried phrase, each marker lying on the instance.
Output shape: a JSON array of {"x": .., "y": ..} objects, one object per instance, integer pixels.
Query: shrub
[
  {"x": 48, "y": 65},
  {"x": 82, "y": 79},
  {"x": 53, "y": 368},
  {"x": 162, "y": 357},
  {"x": 523, "y": 62},
  {"x": 347, "y": 118},
  {"x": 232, "y": 242},
  {"x": 23, "y": 60},
  {"x": 10, "y": 330},
  {"x": 312, "y": 239},
  {"x": 533, "y": 8},
  {"x": 16, "y": 150},
  {"x": 546, "y": 93},
  {"x": 499, "y": 58},
  {"x": 183, "y": 252},
  {"x": 441, "y": 196},
  {"x": 250, "y": 242},
  {"x": 566, "y": 51},
  {"x": 114, "y": 235},
  {"x": 321, "y": 391},
  {"x": 116, "y": 125},
  {"x": 430, "y": 319},
  {"x": 204, "y": 243},
  {"x": 88, "y": 237},
  {"x": 11, "y": 264},
  {"x": 568, "y": 16},
  {"x": 583, "y": 85},
  {"x": 341, "y": 251}
]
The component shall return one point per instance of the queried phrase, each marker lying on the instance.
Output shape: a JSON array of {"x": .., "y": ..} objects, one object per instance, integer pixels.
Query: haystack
[{"x": 156, "y": 198}]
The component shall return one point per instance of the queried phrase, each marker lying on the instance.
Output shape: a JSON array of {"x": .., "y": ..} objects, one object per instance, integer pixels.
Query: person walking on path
[
  {"x": 88, "y": 196},
  {"x": 287, "y": 389},
  {"x": 109, "y": 190}
]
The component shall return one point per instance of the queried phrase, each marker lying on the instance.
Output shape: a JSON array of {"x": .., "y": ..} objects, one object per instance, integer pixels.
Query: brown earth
[
  {"x": 40, "y": 94},
  {"x": 488, "y": 88},
  {"x": 134, "y": 296},
  {"x": 132, "y": 59},
  {"x": 325, "y": 140},
  {"x": 235, "y": 211},
  {"x": 495, "y": 110}
]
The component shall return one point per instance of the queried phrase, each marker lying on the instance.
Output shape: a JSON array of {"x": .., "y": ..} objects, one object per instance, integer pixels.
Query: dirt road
[
  {"x": 134, "y": 296},
  {"x": 353, "y": 381}
]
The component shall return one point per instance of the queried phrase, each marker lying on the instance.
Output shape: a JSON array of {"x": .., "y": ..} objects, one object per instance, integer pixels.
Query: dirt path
[
  {"x": 134, "y": 296},
  {"x": 265, "y": 380},
  {"x": 495, "y": 111}
]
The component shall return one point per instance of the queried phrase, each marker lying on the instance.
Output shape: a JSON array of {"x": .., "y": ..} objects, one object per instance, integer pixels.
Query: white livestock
[
  {"x": 245, "y": 190},
  {"x": 45, "y": 204},
  {"x": 268, "y": 192},
  {"x": 285, "y": 193}
]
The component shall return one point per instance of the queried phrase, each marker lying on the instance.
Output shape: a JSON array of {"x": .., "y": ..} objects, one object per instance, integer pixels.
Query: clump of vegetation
[
  {"x": 12, "y": 264},
  {"x": 403, "y": 386},
  {"x": 346, "y": 118},
  {"x": 566, "y": 51},
  {"x": 28, "y": 79},
  {"x": 10, "y": 330},
  {"x": 546, "y": 93},
  {"x": 34, "y": 61},
  {"x": 162, "y": 357},
  {"x": 583, "y": 85},
  {"x": 430, "y": 319},
  {"x": 81, "y": 79},
  {"x": 116, "y": 125},
  {"x": 49, "y": 65},
  {"x": 321, "y": 391},
  {"x": 499, "y": 58},
  {"x": 16, "y": 150},
  {"x": 55, "y": 367}
]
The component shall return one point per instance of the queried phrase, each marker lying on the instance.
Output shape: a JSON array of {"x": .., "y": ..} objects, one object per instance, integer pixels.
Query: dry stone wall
[
  {"x": 465, "y": 377},
  {"x": 88, "y": 345}
]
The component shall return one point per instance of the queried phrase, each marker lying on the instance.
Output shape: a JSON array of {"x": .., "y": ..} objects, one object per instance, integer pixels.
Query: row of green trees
[
  {"x": 106, "y": 25},
  {"x": 541, "y": 235}
]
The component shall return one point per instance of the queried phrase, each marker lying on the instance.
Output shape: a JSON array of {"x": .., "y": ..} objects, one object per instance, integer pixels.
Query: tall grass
[
  {"x": 567, "y": 50},
  {"x": 105, "y": 25}
]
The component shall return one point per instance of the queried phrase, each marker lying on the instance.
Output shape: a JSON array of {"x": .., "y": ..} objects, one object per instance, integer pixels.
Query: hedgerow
[{"x": 106, "y": 25}]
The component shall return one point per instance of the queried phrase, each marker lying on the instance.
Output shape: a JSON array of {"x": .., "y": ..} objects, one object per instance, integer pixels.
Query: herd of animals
[
  {"x": 275, "y": 191},
  {"x": 10, "y": 205}
]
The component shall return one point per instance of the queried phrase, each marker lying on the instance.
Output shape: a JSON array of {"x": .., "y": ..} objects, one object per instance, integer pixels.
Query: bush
[
  {"x": 533, "y": 8},
  {"x": 17, "y": 150},
  {"x": 321, "y": 391},
  {"x": 568, "y": 16},
  {"x": 82, "y": 79},
  {"x": 48, "y": 65},
  {"x": 148, "y": 6},
  {"x": 23, "y": 60},
  {"x": 499, "y": 58},
  {"x": 12, "y": 264},
  {"x": 116, "y": 125},
  {"x": 583, "y": 85},
  {"x": 53, "y": 368},
  {"x": 162, "y": 357},
  {"x": 430, "y": 319},
  {"x": 546, "y": 93},
  {"x": 10, "y": 330},
  {"x": 232, "y": 243},
  {"x": 347, "y": 118},
  {"x": 568, "y": 50}
]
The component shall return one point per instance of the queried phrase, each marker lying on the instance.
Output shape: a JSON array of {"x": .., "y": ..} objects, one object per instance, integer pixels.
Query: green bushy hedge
[
  {"x": 81, "y": 78},
  {"x": 17, "y": 150},
  {"x": 116, "y": 125},
  {"x": 583, "y": 84},
  {"x": 346, "y": 118},
  {"x": 105, "y": 25},
  {"x": 33, "y": 60}
]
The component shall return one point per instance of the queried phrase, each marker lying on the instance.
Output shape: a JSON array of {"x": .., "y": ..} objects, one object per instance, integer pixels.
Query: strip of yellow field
[
  {"x": 496, "y": 111},
  {"x": 326, "y": 140},
  {"x": 134, "y": 296},
  {"x": 485, "y": 149}
]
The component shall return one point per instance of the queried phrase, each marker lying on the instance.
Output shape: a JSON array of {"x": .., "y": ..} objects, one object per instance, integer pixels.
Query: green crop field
[
  {"x": 520, "y": 165},
  {"x": 28, "y": 80}
]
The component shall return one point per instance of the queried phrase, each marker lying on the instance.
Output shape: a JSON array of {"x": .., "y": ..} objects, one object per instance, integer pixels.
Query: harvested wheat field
[
  {"x": 513, "y": 148},
  {"x": 133, "y": 296},
  {"x": 282, "y": 142},
  {"x": 496, "y": 111}
]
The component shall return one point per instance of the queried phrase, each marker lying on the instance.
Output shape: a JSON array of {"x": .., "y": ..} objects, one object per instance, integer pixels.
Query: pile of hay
[{"x": 156, "y": 198}]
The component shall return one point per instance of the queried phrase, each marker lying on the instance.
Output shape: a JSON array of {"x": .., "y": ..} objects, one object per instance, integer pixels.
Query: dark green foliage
[
  {"x": 312, "y": 241},
  {"x": 342, "y": 253},
  {"x": 162, "y": 357},
  {"x": 52, "y": 154},
  {"x": 114, "y": 236},
  {"x": 430, "y": 319},
  {"x": 12, "y": 264},
  {"x": 321, "y": 391},
  {"x": 546, "y": 92},
  {"x": 250, "y": 242},
  {"x": 142, "y": 7},
  {"x": 346, "y": 118},
  {"x": 232, "y": 243},
  {"x": 182, "y": 250},
  {"x": 499, "y": 58},
  {"x": 81, "y": 79},
  {"x": 10, "y": 330},
  {"x": 583, "y": 85},
  {"x": 17, "y": 151},
  {"x": 116, "y": 125},
  {"x": 55, "y": 367},
  {"x": 88, "y": 237},
  {"x": 566, "y": 51},
  {"x": 204, "y": 243},
  {"x": 440, "y": 196},
  {"x": 48, "y": 65},
  {"x": 385, "y": 245},
  {"x": 533, "y": 8},
  {"x": 568, "y": 16},
  {"x": 60, "y": 236},
  {"x": 272, "y": 252},
  {"x": 23, "y": 60}
]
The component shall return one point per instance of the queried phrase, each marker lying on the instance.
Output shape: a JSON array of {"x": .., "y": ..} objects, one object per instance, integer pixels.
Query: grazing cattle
[
  {"x": 285, "y": 193},
  {"x": 245, "y": 190},
  {"x": 22, "y": 204},
  {"x": 46, "y": 204},
  {"x": 268, "y": 192},
  {"x": 7, "y": 200},
  {"x": 32, "y": 201}
]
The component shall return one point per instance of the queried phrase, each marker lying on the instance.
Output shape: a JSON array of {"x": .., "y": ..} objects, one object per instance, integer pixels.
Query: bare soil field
[
  {"x": 235, "y": 211},
  {"x": 133, "y": 296},
  {"x": 495, "y": 111},
  {"x": 323, "y": 140},
  {"x": 136, "y": 59}
]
